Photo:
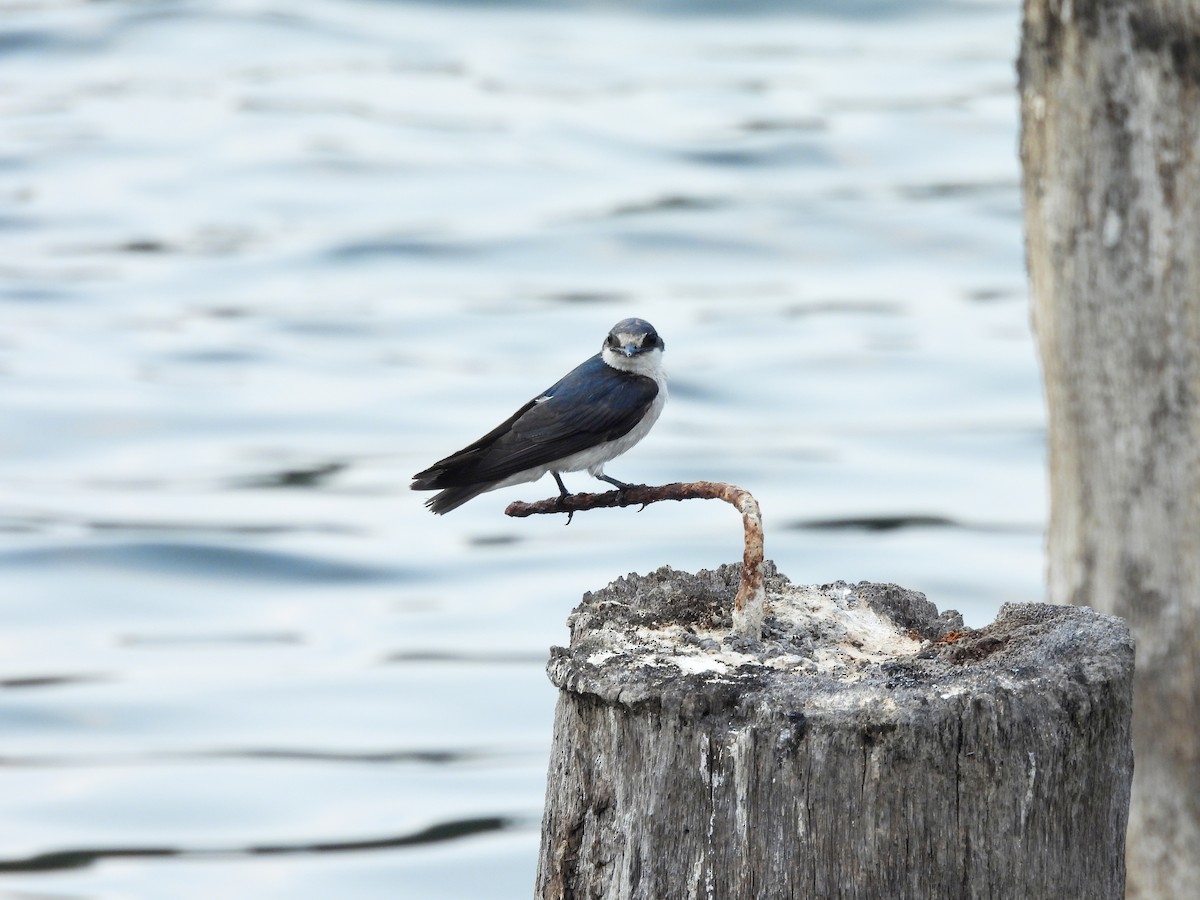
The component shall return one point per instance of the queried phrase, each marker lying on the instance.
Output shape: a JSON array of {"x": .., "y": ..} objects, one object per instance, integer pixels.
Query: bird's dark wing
[{"x": 592, "y": 404}]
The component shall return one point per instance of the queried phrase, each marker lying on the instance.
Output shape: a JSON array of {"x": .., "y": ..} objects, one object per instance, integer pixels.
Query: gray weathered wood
[
  {"x": 865, "y": 748},
  {"x": 1110, "y": 111}
]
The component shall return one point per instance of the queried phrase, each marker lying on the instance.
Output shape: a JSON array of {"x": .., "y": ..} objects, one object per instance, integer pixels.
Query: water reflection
[{"x": 79, "y": 858}]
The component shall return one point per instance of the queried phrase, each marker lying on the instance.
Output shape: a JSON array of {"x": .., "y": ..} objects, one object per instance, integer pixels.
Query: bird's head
[{"x": 633, "y": 346}]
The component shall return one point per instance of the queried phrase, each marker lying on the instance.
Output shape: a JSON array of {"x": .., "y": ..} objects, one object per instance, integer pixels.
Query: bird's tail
[
  {"x": 454, "y": 497},
  {"x": 449, "y": 498}
]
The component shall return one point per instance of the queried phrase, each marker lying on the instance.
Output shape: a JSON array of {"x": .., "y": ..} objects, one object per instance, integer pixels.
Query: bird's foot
[
  {"x": 563, "y": 494},
  {"x": 622, "y": 487},
  {"x": 561, "y": 504}
]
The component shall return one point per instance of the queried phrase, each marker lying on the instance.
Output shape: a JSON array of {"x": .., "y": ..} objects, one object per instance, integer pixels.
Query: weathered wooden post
[
  {"x": 865, "y": 747},
  {"x": 1110, "y": 144}
]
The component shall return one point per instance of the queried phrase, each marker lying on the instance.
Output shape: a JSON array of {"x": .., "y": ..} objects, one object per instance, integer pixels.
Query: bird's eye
[
  {"x": 650, "y": 340},
  {"x": 612, "y": 341}
]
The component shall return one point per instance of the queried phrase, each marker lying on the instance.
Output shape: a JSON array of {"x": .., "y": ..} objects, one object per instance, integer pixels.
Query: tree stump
[
  {"x": 866, "y": 747},
  {"x": 1110, "y": 146}
]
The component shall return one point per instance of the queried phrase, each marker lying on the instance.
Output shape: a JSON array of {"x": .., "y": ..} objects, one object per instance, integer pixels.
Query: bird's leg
[
  {"x": 562, "y": 488},
  {"x": 563, "y": 494}
]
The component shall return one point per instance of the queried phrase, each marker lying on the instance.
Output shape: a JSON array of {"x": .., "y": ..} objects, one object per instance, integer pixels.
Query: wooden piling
[
  {"x": 865, "y": 747},
  {"x": 1110, "y": 147}
]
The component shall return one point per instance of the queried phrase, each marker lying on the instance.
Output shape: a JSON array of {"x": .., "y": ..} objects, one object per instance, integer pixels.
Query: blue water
[{"x": 262, "y": 261}]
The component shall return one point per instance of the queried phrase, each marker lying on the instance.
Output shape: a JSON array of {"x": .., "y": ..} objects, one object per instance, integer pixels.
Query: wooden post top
[{"x": 665, "y": 639}]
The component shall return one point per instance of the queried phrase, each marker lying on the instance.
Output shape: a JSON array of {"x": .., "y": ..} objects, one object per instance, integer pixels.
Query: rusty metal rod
[{"x": 748, "y": 605}]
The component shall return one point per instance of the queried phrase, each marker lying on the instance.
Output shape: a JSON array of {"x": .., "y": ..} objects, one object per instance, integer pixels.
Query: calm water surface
[{"x": 262, "y": 261}]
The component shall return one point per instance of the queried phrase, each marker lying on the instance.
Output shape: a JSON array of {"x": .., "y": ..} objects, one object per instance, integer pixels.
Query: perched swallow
[{"x": 596, "y": 412}]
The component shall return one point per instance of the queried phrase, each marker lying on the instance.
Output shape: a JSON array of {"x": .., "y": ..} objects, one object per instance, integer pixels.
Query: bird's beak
[{"x": 629, "y": 349}]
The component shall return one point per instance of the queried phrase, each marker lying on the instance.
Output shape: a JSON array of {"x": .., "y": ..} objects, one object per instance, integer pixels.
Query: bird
[{"x": 591, "y": 415}]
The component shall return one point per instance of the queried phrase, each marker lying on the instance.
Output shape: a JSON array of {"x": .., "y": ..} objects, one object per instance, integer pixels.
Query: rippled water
[{"x": 263, "y": 261}]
